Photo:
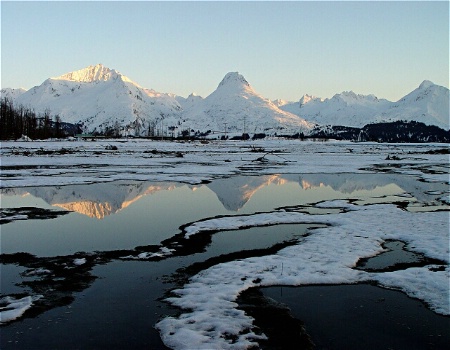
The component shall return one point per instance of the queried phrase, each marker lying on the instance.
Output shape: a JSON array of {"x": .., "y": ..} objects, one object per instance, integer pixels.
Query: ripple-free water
[{"x": 123, "y": 215}]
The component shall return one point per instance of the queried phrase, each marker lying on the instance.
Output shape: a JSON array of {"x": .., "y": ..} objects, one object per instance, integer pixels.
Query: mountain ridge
[
  {"x": 100, "y": 99},
  {"x": 428, "y": 103}
]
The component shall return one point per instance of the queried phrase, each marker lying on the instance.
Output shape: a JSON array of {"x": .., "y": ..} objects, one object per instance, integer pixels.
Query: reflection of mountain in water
[
  {"x": 95, "y": 200},
  {"x": 235, "y": 191},
  {"x": 102, "y": 199},
  {"x": 349, "y": 183},
  {"x": 345, "y": 183}
]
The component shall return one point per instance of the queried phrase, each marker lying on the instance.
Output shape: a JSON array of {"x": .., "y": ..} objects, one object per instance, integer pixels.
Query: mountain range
[
  {"x": 429, "y": 104},
  {"x": 100, "y": 99}
]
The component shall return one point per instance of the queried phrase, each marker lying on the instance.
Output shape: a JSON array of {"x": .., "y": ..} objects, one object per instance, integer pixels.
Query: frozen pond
[{"x": 125, "y": 248}]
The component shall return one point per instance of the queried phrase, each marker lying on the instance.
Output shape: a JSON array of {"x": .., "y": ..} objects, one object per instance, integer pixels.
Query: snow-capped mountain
[
  {"x": 188, "y": 102},
  {"x": 101, "y": 98},
  {"x": 429, "y": 104},
  {"x": 104, "y": 100},
  {"x": 346, "y": 108},
  {"x": 236, "y": 107}
]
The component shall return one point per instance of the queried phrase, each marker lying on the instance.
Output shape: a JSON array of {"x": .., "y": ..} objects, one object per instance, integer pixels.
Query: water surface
[
  {"x": 123, "y": 215},
  {"x": 119, "y": 305}
]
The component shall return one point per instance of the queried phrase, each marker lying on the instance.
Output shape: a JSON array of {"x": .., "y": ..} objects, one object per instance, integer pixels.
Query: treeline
[
  {"x": 396, "y": 132},
  {"x": 17, "y": 121}
]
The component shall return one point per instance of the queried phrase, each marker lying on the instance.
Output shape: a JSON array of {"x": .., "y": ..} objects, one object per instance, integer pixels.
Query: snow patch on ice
[
  {"x": 15, "y": 308},
  {"x": 37, "y": 272},
  {"x": 14, "y": 217},
  {"x": 327, "y": 256},
  {"x": 161, "y": 253},
  {"x": 237, "y": 222},
  {"x": 80, "y": 261}
]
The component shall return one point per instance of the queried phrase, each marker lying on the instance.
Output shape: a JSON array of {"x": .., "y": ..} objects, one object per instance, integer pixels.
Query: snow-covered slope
[
  {"x": 346, "y": 108},
  {"x": 234, "y": 105},
  {"x": 99, "y": 97},
  {"x": 293, "y": 107},
  {"x": 11, "y": 93},
  {"x": 429, "y": 103},
  {"x": 188, "y": 102}
]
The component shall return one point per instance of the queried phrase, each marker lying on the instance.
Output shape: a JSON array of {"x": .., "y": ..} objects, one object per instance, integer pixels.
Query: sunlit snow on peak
[
  {"x": 234, "y": 78},
  {"x": 93, "y": 73},
  {"x": 308, "y": 98}
]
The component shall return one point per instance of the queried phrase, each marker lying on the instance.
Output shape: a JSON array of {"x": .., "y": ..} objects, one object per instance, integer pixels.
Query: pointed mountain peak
[
  {"x": 234, "y": 79},
  {"x": 425, "y": 84},
  {"x": 349, "y": 94},
  {"x": 279, "y": 102},
  {"x": 308, "y": 98},
  {"x": 92, "y": 73},
  {"x": 194, "y": 97}
]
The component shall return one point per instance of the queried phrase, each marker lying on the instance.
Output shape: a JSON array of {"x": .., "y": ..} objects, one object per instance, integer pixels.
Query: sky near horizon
[{"x": 283, "y": 49}]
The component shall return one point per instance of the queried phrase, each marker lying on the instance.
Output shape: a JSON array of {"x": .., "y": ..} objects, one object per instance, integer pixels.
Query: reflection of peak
[
  {"x": 344, "y": 183},
  {"x": 91, "y": 209},
  {"x": 100, "y": 210},
  {"x": 98, "y": 200},
  {"x": 235, "y": 192},
  {"x": 307, "y": 185}
]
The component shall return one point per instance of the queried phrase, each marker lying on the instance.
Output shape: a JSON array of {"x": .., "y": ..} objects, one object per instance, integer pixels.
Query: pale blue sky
[{"x": 284, "y": 49}]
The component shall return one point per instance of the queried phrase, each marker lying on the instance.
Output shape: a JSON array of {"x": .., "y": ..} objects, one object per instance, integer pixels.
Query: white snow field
[{"x": 209, "y": 318}]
